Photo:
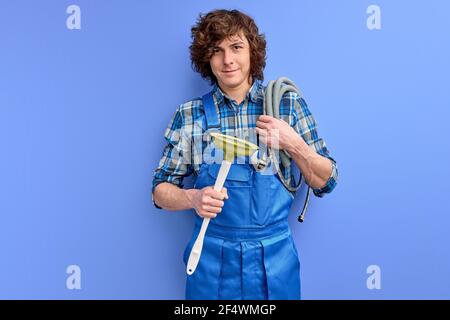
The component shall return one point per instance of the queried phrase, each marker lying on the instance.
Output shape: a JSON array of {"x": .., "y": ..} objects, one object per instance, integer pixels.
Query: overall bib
[{"x": 248, "y": 252}]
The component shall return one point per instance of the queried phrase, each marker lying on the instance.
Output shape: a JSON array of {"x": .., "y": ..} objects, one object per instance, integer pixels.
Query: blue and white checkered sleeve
[
  {"x": 305, "y": 124},
  {"x": 175, "y": 163}
]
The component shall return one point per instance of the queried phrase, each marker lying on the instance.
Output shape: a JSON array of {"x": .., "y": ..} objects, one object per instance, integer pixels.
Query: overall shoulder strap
[{"x": 212, "y": 118}]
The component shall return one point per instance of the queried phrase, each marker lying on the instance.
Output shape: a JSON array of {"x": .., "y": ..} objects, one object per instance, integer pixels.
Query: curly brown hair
[{"x": 218, "y": 25}]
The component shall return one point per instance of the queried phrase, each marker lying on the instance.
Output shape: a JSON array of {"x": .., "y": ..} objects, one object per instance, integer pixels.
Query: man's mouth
[{"x": 229, "y": 71}]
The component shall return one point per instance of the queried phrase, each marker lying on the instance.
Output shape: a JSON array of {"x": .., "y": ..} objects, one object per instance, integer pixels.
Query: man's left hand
[{"x": 276, "y": 133}]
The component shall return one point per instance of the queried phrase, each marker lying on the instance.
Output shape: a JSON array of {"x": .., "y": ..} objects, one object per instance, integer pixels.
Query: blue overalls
[{"x": 248, "y": 252}]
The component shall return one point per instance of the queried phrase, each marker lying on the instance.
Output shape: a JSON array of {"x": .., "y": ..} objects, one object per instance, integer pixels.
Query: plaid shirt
[{"x": 185, "y": 149}]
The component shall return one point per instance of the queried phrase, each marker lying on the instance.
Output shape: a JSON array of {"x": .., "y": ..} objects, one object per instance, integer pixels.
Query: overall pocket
[
  {"x": 236, "y": 209},
  {"x": 271, "y": 201}
]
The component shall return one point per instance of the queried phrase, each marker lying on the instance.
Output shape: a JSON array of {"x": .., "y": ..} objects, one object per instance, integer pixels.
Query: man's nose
[{"x": 228, "y": 57}]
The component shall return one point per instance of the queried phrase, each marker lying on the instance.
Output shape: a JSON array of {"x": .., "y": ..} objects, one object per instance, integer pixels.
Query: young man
[{"x": 248, "y": 251}]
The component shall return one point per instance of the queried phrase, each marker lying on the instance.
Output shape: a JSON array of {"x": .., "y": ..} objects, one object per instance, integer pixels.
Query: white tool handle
[{"x": 196, "y": 251}]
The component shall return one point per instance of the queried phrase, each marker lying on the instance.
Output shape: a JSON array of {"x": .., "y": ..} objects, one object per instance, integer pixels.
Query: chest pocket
[{"x": 239, "y": 175}]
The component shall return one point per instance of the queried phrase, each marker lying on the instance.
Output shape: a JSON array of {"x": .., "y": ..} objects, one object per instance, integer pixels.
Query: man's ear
[{"x": 250, "y": 79}]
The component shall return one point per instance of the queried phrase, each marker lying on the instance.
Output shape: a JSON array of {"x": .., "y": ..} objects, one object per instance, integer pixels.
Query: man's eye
[{"x": 238, "y": 47}]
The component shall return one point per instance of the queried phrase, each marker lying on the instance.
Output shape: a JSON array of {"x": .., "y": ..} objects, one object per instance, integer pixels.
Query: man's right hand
[{"x": 207, "y": 201}]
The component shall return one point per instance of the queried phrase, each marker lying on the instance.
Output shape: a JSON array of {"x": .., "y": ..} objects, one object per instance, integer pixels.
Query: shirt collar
[{"x": 252, "y": 93}]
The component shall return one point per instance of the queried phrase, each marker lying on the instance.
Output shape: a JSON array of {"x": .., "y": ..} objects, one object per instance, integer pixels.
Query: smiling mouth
[{"x": 230, "y": 71}]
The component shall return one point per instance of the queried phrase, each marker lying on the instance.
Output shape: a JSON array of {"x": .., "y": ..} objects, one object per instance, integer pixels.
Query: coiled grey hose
[{"x": 273, "y": 95}]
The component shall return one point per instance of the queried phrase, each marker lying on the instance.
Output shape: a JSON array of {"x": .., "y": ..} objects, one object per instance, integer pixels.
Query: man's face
[{"x": 230, "y": 61}]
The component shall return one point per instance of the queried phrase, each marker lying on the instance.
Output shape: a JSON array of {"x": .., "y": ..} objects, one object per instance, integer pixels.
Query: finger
[
  {"x": 210, "y": 209},
  {"x": 265, "y": 118},
  {"x": 216, "y": 195},
  {"x": 215, "y": 203},
  {"x": 206, "y": 214},
  {"x": 262, "y": 125},
  {"x": 261, "y": 132},
  {"x": 225, "y": 192},
  {"x": 262, "y": 136},
  {"x": 211, "y": 193}
]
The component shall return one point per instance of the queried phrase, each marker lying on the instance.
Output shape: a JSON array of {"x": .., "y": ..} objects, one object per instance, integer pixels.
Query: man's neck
[{"x": 238, "y": 94}]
